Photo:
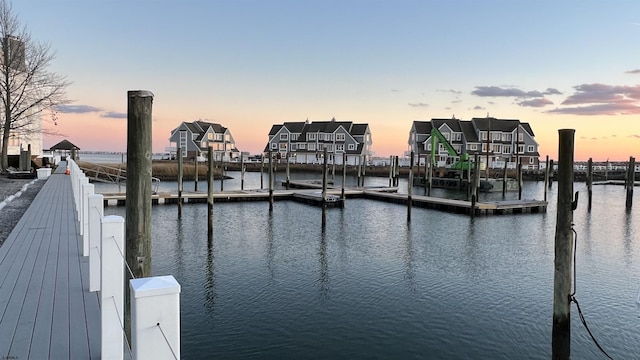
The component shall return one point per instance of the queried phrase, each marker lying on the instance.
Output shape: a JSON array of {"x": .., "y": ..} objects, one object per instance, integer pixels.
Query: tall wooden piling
[
  {"x": 519, "y": 179},
  {"x": 344, "y": 175},
  {"x": 391, "y": 171},
  {"x": 546, "y": 177},
  {"x": 242, "y": 172},
  {"x": 288, "y": 173},
  {"x": 474, "y": 189},
  {"x": 589, "y": 182},
  {"x": 631, "y": 178},
  {"x": 270, "y": 181},
  {"x": 180, "y": 185},
  {"x": 364, "y": 169},
  {"x": 561, "y": 332},
  {"x": 410, "y": 189},
  {"x": 262, "y": 171},
  {"x": 223, "y": 172},
  {"x": 210, "y": 195},
  {"x": 358, "y": 171},
  {"x": 325, "y": 169},
  {"x": 138, "y": 192},
  {"x": 551, "y": 173},
  {"x": 504, "y": 178},
  {"x": 430, "y": 182},
  {"x": 195, "y": 170},
  {"x": 397, "y": 172}
]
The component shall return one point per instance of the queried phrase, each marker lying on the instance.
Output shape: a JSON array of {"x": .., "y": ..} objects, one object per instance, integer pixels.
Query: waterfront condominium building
[
  {"x": 195, "y": 138},
  {"x": 303, "y": 142},
  {"x": 496, "y": 141}
]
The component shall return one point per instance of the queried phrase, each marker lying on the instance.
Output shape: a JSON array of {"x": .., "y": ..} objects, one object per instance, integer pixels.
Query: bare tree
[{"x": 27, "y": 88}]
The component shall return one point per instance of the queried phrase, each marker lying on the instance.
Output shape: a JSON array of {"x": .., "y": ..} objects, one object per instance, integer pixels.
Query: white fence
[{"x": 155, "y": 301}]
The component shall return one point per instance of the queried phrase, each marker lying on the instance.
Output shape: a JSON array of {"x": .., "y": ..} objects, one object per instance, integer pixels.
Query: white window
[
  {"x": 484, "y": 147},
  {"x": 473, "y": 147},
  {"x": 351, "y": 147},
  {"x": 520, "y": 137},
  {"x": 495, "y": 136},
  {"x": 340, "y": 137},
  {"x": 340, "y": 147},
  {"x": 210, "y": 136},
  {"x": 302, "y": 146},
  {"x": 312, "y": 147},
  {"x": 294, "y": 147},
  {"x": 283, "y": 146},
  {"x": 506, "y": 149},
  {"x": 321, "y": 147},
  {"x": 496, "y": 148},
  {"x": 530, "y": 148},
  {"x": 483, "y": 135},
  {"x": 218, "y": 137},
  {"x": 532, "y": 160},
  {"x": 203, "y": 144},
  {"x": 284, "y": 137},
  {"x": 429, "y": 146},
  {"x": 311, "y": 136},
  {"x": 520, "y": 149},
  {"x": 274, "y": 145},
  {"x": 458, "y": 136},
  {"x": 329, "y": 147}
]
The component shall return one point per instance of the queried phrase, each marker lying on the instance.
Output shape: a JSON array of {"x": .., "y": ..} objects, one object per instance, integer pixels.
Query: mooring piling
[
  {"x": 551, "y": 173},
  {"x": 589, "y": 182},
  {"x": 288, "y": 179},
  {"x": 210, "y": 195},
  {"x": 262, "y": 171},
  {"x": 561, "y": 331},
  {"x": 410, "y": 189},
  {"x": 324, "y": 188},
  {"x": 195, "y": 176},
  {"x": 519, "y": 179},
  {"x": 270, "y": 180},
  {"x": 630, "y": 183},
  {"x": 344, "y": 175},
  {"x": 138, "y": 193},
  {"x": 242, "y": 172},
  {"x": 546, "y": 177},
  {"x": 391, "y": 171},
  {"x": 180, "y": 185}
]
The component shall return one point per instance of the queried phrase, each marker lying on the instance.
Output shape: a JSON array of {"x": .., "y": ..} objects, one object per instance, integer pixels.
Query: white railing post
[
  {"x": 96, "y": 212},
  {"x": 155, "y": 318},
  {"x": 87, "y": 190},
  {"x": 82, "y": 180},
  {"x": 112, "y": 287}
]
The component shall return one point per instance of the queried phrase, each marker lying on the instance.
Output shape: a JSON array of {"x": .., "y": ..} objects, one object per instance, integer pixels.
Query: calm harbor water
[{"x": 372, "y": 286}]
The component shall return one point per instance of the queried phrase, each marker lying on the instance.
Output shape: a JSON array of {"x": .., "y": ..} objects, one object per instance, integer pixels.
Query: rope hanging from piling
[{"x": 573, "y": 299}]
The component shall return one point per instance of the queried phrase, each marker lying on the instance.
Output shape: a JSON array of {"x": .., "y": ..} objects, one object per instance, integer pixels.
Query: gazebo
[{"x": 64, "y": 148}]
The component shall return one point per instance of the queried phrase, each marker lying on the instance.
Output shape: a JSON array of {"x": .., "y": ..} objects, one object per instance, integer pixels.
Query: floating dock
[{"x": 312, "y": 196}]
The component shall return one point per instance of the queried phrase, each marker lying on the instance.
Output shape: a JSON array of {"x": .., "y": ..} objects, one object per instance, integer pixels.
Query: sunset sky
[{"x": 249, "y": 64}]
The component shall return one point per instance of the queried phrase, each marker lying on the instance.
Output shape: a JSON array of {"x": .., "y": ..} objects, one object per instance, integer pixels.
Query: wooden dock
[
  {"x": 312, "y": 196},
  {"x": 46, "y": 309}
]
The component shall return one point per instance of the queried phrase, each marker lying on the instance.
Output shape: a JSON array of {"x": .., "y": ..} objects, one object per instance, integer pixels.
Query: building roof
[{"x": 64, "y": 145}]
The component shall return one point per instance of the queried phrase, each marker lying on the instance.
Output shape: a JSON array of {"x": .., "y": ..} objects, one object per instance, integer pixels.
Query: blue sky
[{"x": 250, "y": 64}]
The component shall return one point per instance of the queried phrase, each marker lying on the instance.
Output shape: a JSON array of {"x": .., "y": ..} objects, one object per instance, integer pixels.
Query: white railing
[{"x": 155, "y": 301}]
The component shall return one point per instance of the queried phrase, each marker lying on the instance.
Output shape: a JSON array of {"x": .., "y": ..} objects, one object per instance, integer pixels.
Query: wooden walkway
[{"x": 46, "y": 309}]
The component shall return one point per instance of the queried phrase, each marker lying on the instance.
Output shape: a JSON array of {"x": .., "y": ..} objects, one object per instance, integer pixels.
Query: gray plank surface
[{"x": 46, "y": 309}]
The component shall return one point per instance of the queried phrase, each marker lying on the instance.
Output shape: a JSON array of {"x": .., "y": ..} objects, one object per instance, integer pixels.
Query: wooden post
[
  {"x": 391, "y": 171},
  {"x": 262, "y": 172},
  {"x": 546, "y": 178},
  {"x": 410, "y": 189},
  {"x": 180, "y": 185},
  {"x": 519, "y": 179},
  {"x": 561, "y": 332},
  {"x": 210, "y": 195},
  {"x": 504, "y": 178},
  {"x": 324, "y": 189},
  {"x": 138, "y": 193},
  {"x": 468, "y": 178},
  {"x": 589, "y": 182},
  {"x": 270, "y": 181},
  {"x": 397, "y": 172},
  {"x": 474, "y": 189},
  {"x": 287, "y": 173},
  {"x": 430, "y": 183},
  {"x": 631, "y": 182},
  {"x": 344, "y": 174},
  {"x": 195, "y": 176},
  {"x": 551, "y": 173},
  {"x": 606, "y": 171},
  {"x": 241, "y": 171},
  {"x": 358, "y": 171},
  {"x": 364, "y": 169},
  {"x": 222, "y": 173}
]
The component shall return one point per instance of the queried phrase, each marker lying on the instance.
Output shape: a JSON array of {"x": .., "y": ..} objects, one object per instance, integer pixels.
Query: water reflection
[
  {"x": 628, "y": 234},
  {"x": 409, "y": 272},
  {"x": 323, "y": 280},
  {"x": 269, "y": 243},
  {"x": 210, "y": 280}
]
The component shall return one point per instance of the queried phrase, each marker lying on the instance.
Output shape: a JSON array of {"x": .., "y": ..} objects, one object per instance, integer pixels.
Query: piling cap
[{"x": 154, "y": 286}]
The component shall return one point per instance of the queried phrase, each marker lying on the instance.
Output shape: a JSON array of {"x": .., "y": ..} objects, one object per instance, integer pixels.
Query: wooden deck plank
[{"x": 46, "y": 310}]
